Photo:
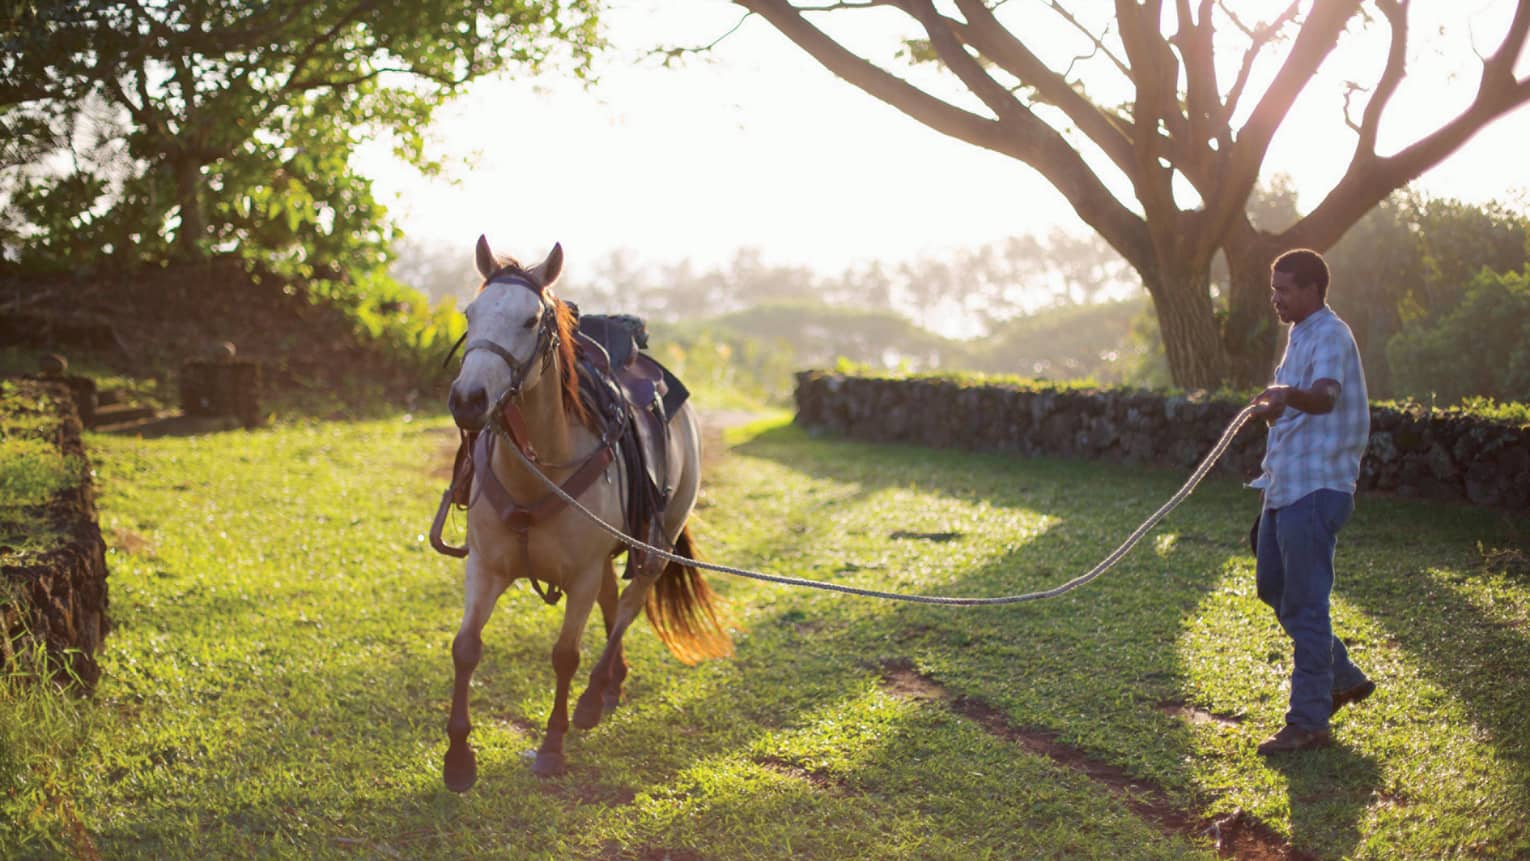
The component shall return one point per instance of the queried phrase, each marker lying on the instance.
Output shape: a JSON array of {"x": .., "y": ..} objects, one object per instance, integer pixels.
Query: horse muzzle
[{"x": 469, "y": 407}]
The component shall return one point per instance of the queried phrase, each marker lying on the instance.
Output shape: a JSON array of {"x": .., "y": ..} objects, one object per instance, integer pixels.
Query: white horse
[{"x": 519, "y": 385}]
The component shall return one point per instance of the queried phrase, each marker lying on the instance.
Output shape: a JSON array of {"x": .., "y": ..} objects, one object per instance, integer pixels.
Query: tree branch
[
  {"x": 1207, "y": 121},
  {"x": 1040, "y": 146},
  {"x": 1396, "y": 66},
  {"x": 1193, "y": 39},
  {"x": 311, "y": 84},
  {"x": 301, "y": 60},
  {"x": 951, "y": 52},
  {"x": 1370, "y": 179},
  {"x": 1259, "y": 38},
  {"x": 1317, "y": 38},
  {"x": 1155, "y": 72},
  {"x": 675, "y": 52},
  {"x": 933, "y": 112},
  {"x": 991, "y": 39},
  {"x": 1099, "y": 44}
]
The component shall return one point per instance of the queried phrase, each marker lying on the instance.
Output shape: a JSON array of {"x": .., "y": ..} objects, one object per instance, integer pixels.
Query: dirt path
[{"x": 713, "y": 424}]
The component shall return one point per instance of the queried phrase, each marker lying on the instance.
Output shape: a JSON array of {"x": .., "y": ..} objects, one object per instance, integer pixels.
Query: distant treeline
[{"x": 1435, "y": 290}]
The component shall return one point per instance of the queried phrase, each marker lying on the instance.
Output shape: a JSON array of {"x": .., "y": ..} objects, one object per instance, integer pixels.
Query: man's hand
[
  {"x": 1271, "y": 403},
  {"x": 1319, "y": 399}
]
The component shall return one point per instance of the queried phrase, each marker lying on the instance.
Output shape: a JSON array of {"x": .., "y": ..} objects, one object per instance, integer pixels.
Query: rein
[{"x": 1104, "y": 565}]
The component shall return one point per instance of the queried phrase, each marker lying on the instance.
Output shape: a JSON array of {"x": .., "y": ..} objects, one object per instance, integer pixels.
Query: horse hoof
[
  {"x": 460, "y": 771},
  {"x": 587, "y": 713},
  {"x": 610, "y": 702},
  {"x": 549, "y": 764}
]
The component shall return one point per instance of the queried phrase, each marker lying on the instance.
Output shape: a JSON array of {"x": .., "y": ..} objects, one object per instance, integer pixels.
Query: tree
[
  {"x": 1190, "y": 142},
  {"x": 1410, "y": 261},
  {"x": 1494, "y": 319},
  {"x": 154, "y": 129},
  {"x": 437, "y": 268}
]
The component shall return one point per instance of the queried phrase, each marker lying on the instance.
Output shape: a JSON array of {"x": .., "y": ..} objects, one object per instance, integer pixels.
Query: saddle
[{"x": 633, "y": 396}]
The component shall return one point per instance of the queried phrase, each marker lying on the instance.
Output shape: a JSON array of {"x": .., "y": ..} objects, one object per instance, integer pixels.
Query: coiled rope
[{"x": 1105, "y": 565}]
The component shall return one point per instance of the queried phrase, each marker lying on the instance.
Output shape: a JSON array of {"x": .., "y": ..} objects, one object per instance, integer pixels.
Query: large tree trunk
[
  {"x": 188, "y": 195},
  {"x": 1249, "y": 334},
  {"x": 1189, "y": 327}
]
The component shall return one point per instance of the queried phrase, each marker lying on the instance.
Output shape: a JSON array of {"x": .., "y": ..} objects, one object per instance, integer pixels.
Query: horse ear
[
  {"x": 548, "y": 270},
  {"x": 486, "y": 262}
]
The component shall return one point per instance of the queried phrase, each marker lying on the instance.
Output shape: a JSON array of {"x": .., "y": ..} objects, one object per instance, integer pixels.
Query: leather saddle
[{"x": 618, "y": 376}]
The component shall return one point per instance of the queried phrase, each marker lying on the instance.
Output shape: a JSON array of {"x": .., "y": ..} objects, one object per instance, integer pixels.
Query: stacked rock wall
[
  {"x": 1412, "y": 452},
  {"x": 58, "y": 599}
]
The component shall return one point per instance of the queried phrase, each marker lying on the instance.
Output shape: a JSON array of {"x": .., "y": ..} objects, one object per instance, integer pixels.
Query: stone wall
[
  {"x": 1412, "y": 452},
  {"x": 222, "y": 387},
  {"x": 58, "y": 598}
]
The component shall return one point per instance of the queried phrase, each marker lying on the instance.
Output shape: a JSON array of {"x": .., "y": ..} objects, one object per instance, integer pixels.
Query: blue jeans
[{"x": 1294, "y": 575}]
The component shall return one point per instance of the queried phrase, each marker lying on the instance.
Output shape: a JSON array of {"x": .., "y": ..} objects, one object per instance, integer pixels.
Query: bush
[{"x": 1480, "y": 348}]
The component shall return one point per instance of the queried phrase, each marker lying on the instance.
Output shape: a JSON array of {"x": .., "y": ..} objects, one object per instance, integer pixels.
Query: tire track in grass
[{"x": 1238, "y": 836}]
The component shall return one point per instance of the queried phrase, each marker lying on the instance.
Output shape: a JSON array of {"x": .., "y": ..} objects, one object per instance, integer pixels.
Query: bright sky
[{"x": 757, "y": 145}]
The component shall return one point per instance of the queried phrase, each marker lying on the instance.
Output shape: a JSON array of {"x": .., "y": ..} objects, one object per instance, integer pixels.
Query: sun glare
[{"x": 754, "y": 145}]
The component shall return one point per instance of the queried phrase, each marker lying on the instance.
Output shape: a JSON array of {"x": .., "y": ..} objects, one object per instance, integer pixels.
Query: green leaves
[
  {"x": 1494, "y": 319},
  {"x": 240, "y": 121}
]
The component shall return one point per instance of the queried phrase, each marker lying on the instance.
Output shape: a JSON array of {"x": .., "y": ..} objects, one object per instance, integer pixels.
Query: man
[{"x": 1319, "y": 418}]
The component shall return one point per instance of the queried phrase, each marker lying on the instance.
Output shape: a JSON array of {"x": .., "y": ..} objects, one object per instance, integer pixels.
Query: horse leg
[
  {"x": 609, "y": 672},
  {"x": 565, "y": 660},
  {"x": 481, "y": 589},
  {"x": 616, "y": 672},
  {"x": 597, "y": 696}
]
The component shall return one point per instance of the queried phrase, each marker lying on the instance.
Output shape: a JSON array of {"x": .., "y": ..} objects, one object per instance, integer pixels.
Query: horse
[{"x": 519, "y": 384}]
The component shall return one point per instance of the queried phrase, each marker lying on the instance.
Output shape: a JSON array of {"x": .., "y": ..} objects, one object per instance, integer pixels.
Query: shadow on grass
[
  {"x": 1065, "y": 667},
  {"x": 1427, "y": 609},
  {"x": 1329, "y": 793},
  {"x": 1162, "y": 589}
]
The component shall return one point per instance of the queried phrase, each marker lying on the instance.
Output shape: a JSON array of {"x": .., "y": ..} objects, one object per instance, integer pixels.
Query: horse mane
[
  {"x": 567, "y": 323},
  {"x": 568, "y": 367}
]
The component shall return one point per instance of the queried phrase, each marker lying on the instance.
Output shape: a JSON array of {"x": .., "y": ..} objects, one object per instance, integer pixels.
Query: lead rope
[{"x": 1106, "y": 564}]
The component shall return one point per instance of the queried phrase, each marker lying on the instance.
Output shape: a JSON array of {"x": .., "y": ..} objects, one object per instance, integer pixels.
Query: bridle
[{"x": 546, "y": 345}]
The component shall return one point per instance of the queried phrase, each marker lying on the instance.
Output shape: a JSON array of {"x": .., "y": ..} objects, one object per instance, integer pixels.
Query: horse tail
[{"x": 684, "y": 611}]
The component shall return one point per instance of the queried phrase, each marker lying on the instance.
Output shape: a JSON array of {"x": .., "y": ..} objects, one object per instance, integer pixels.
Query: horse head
[{"x": 513, "y": 335}]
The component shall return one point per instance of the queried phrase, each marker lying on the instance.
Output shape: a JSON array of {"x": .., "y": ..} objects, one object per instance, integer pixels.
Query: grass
[
  {"x": 153, "y": 391},
  {"x": 278, "y": 678},
  {"x": 32, "y": 471}
]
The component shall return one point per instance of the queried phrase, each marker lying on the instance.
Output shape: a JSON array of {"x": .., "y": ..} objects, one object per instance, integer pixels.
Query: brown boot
[
  {"x": 1354, "y": 694},
  {"x": 1291, "y": 739}
]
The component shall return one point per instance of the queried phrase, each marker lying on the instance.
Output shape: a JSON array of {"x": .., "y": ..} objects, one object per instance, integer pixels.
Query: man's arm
[{"x": 1315, "y": 401}]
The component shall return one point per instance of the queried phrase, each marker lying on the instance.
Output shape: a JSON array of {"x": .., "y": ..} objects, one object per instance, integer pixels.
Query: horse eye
[{"x": 531, "y": 322}]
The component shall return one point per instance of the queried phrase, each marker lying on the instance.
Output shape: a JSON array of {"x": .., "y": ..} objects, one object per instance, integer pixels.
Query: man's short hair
[{"x": 1307, "y": 266}]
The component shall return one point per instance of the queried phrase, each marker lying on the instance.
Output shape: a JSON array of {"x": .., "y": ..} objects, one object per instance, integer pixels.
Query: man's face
[{"x": 1293, "y": 302}]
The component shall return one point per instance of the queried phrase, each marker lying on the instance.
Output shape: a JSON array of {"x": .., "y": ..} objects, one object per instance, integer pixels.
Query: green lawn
[{"x": 278, "y": 678}]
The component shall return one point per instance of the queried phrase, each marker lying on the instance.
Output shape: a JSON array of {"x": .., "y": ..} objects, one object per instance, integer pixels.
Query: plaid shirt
[{"x": 1308, "y": 452}]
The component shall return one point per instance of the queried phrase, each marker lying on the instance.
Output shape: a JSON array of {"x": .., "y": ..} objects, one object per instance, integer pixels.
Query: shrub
[{"x": 1480, "y": 348}]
